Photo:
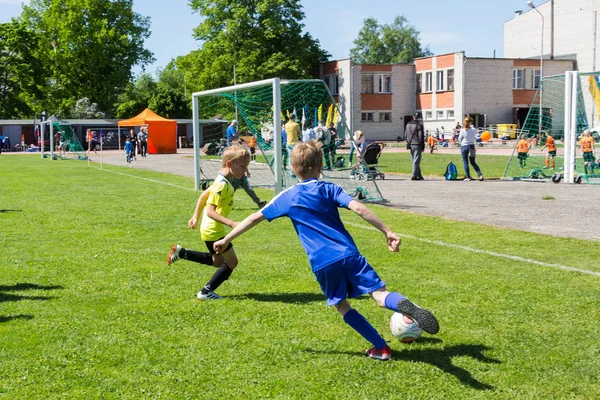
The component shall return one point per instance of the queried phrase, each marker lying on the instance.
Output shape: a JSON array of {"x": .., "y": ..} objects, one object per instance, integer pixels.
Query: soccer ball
[{"x": 405, "y": 332}]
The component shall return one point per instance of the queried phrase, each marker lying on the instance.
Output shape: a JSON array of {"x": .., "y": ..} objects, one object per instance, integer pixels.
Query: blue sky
[{"x": 446, "y": 26}]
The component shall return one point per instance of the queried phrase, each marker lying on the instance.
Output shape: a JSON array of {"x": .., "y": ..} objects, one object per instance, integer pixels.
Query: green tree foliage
[
  {"x": 21, "y": 73},
  {"x": 90, "y": 47},
  {"x": 136, "y": 96},
  {"x": 169, "y": 102},
  {"x": 262, "y": 38},
  {"x": 395, "y": 43}
]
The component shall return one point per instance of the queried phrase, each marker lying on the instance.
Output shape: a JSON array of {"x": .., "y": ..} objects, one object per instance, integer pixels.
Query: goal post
[{"x": 262, "y": 107}]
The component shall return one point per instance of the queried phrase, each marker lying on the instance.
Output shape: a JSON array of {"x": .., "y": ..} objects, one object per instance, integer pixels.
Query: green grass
[{"x": 88, "y": 308}]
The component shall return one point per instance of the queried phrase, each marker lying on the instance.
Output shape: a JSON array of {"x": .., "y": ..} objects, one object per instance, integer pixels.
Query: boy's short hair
[
  {"x": 233, "y": 153},
  {"x": 307, "y": 157}
]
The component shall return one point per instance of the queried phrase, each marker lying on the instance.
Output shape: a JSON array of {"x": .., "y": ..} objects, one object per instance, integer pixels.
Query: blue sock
[
  {"x": 362, "y": 326},
  {"x": 392, "y": 299}
]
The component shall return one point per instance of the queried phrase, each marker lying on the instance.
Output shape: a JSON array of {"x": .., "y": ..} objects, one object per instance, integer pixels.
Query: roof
[{"x": 144, "y": 117}]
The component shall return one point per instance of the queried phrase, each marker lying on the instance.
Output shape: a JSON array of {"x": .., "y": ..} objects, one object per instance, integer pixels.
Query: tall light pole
[
  {"x": 530, "y": 4},
  {"x": 227, "y": 33}
]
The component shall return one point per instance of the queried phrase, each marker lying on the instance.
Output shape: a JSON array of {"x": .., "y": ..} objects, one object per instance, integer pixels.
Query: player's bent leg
[
  {"x": 379, "y": 296},
  {"x": 343, "y": 307},
  {"x": 227, "y": 257}
]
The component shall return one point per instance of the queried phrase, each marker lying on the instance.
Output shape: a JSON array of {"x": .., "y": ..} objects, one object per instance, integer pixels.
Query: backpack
[
  {"x": 339, "y": 162},
  {"x": 451, "y": 172}
]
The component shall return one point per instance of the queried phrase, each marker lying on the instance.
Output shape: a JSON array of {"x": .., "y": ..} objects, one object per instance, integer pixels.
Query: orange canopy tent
[{"x": 162, "y": 132}]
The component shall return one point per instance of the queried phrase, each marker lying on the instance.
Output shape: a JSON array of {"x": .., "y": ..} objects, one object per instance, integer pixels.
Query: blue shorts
[{"x": 348, "y": 278}]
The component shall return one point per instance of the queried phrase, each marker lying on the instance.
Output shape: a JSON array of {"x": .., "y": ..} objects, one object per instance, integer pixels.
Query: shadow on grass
[
  {"x": 4, "y": 296},
  {"x": 440, "y": 358},
  {"x": 6, "y": 211},
  {"x": 11, "y": 317},
  {"x": 281, "y": 297}
]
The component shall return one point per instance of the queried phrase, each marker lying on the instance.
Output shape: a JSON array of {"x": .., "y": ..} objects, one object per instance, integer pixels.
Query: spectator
[
  {"x": 467, "y": 148},
  {"x": 232, "y": 133},
  {"x": 415, "y": 142}
]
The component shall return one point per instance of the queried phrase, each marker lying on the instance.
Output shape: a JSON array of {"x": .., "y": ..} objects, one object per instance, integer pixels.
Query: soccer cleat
[
  {"x": 380, "y": 354},
  {"x": 261, "y": 204},
  {"x": 174, "y": 254},
  {"x": 208, "y": 296},
  {"x": 425, "y": 319}
]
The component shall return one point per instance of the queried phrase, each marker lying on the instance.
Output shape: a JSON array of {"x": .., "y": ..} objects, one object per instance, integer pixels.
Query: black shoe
[
  {"x": 425, "y": 319},
  {"x": 420, "y": 178},
  {"x": 414, "y": 178},
  {"x": 261, "y": 204}
]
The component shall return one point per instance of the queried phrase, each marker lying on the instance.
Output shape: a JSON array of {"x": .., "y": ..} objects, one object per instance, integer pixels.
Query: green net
[
  {"x": 66, "y": 142},
  {"x": 537, "y": 163},
  {"x": 313, "y": 108}
]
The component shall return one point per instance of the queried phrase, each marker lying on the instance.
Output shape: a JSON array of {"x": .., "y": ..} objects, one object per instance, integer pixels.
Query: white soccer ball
[{"x": 405, "y": 332}]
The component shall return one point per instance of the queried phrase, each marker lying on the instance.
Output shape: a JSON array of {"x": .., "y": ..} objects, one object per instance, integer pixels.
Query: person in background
[
  {"x": 357, "y": 140},
  {"x": 522, "y": 151},
  {"x": 466, "y": 139},
  {"x": 415, "y": 142},
  {"x": 143, "y": 141},
  {"x": 232, "y": 133}
]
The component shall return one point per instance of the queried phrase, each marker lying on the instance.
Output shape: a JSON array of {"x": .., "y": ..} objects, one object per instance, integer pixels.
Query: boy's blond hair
[
  {"x": 307, "y": 158},
  {"x": 233, "y": 153}
]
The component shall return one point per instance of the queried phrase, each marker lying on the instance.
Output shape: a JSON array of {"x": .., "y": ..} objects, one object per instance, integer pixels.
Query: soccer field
[{"x": 89, "y": 308}]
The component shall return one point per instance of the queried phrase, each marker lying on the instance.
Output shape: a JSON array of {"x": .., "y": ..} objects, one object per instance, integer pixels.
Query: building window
[
  {"x": 419, "y": 83},
  {"x": 385, "y": 116},
  {"x": 535, "y": 79},
  {"x": 450, "y": 79},
  {"x": 518, "y": 79},
  {"x": 428, "y": 84},
  {"x": 440, "y": 81},
  {"x": 385, "y": 83},
  {"x": 450, "y": 114},
  {"x": 332, "y": 83},
  {"x": 428, "y": 115},
  {"x": 367, "y": 84},
  {"x": 366, "y": 117},
  {"x": 440, "y": 114}
]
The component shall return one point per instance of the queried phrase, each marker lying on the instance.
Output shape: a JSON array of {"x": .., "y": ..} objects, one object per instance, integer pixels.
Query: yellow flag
[
  {"x": 282, "y": 116},
  {"x": 329, "y": 115},
  {"x": 288, "y": 113},
  {"x": 336, "y": 115},
  {"x": 320, "y": 111},
  {"x": 595, "y": 90}
]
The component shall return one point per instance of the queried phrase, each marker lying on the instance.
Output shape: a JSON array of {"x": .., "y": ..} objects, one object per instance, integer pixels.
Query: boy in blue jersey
[
  {"x": 219, "y": 201},
  {"x": 129, "y": 150},
  {"x": 342, "y": 272}
]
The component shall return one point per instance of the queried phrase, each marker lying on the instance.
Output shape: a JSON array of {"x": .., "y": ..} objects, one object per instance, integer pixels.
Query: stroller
[{"x": 370, "y": 158}]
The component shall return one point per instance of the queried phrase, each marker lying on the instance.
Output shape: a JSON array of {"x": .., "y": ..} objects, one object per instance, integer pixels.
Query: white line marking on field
[
  {"x": 145, "y": 179},
  {"x": 489, "y": 253}
]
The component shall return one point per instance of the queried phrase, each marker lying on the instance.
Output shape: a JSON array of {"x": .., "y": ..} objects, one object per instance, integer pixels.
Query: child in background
[
  {"x": 431, "y": 142},
  {"x": 586, "y": 143},
  {"x": 252, "y": 146},
  {"x": 551, "y": 145},
  {"x": 340, "y": 269},
  {"x": 219, "y": 201},
  {"x": 129, "y": 151},
  {"x": 522, "y": 150}
]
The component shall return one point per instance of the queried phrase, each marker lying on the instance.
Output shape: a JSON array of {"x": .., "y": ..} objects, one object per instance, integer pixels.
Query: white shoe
[
  {"x": 174, "y": 254},
  {"x": 208, "y": 296}
]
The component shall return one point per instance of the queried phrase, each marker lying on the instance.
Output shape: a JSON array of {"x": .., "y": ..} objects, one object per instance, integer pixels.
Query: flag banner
[
  {"x": 320, "y": 114},
  {"x": 303, "y": 116},
  {"x": 595, "y": 90},
  {"x": 329, "y": 115}
]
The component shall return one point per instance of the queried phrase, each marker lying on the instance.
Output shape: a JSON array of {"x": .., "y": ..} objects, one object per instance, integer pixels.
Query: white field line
[
  {"x": 145, "y": 179},
  {"x": 489, "y": 253},
  {"x": 435, "y": 242}
]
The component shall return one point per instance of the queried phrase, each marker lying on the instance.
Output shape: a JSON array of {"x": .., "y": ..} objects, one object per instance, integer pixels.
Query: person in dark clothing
[{"x": 415, "y": 142}]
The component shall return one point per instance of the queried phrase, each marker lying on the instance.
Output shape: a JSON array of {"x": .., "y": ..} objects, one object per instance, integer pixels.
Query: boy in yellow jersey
[
  {"x": 522, "y": 150},
  {"x": 586, "y": 143},
  {"x": 551, "y": 145},
  {"x": 219, "y": 201}
]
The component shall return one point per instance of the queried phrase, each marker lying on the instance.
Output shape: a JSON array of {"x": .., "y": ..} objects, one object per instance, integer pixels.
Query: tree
[
  {"x": 22, "y": 75},
  {"x": 90, "y": 46},
  {"x": 84, "y": 108},
  {"x": 136, "y": 96},
  {"x": 262, "y": 38},
  {"x": 395, "y": 43},
  {"x": 170, "y": 102}
]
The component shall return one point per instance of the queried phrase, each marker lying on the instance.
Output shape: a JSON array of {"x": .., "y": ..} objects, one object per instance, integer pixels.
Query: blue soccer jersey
[{"x": 312, "y": 206}]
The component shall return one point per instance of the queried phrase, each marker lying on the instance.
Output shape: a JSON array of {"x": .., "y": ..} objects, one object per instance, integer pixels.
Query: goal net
[
  {"x": 570, "y": 105},
  {"x": 63, "y": 142},
  {"x": 262, "y": 108}
]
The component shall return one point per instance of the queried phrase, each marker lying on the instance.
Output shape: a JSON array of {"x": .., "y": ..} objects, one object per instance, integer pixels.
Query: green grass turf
[{"x": 89, "y": 308}]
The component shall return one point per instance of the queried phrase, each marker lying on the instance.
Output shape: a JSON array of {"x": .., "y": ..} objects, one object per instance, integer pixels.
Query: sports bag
[{"x": 451, "y": 172}]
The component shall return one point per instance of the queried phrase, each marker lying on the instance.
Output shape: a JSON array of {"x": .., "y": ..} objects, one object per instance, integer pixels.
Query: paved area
[{"x": 572, "y": 211}]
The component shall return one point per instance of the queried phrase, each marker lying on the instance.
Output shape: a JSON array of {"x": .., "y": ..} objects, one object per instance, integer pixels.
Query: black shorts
[
  {"x": 588, "y": 156},
  {"x": 210, "y": 244},
  {"x": 522, "y": 156},
  {"x": 252, "y": 150},
  {"x": 552, "y": 153}
]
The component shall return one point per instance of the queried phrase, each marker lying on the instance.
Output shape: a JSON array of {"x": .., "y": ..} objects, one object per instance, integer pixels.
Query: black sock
[
  {"x": 196, "y": 256},
  {"x": 220, "y": 276}
]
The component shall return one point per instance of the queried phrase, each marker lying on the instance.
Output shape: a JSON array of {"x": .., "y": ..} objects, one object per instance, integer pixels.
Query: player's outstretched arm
[
  {"x": 244, "y": 226},
  {"x": 393, "y": 240},
  {"x": 193, "y": 222}
]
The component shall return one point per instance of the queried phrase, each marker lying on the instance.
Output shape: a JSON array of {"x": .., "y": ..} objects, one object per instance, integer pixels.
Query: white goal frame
[{"x": 277, "y": 142}]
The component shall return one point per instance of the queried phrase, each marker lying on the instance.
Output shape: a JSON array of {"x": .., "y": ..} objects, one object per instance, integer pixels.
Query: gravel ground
[{"x": 572, "y": 211}]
